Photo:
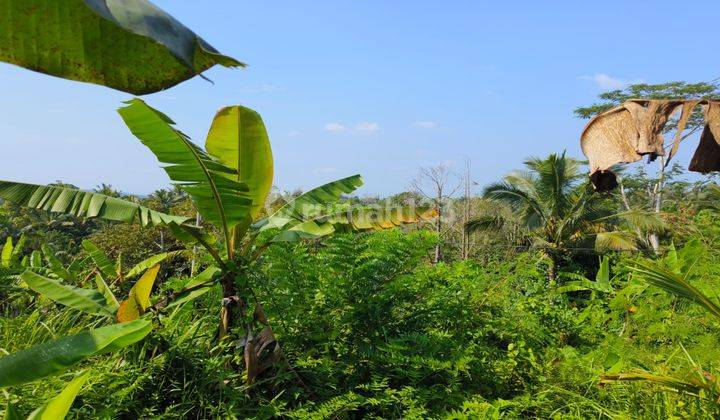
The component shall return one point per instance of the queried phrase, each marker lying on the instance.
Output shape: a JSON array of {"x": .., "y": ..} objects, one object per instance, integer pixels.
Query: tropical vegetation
[{"x": 552, "y": 294}]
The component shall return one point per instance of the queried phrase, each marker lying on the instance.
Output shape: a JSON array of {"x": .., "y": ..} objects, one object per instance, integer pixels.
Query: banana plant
[
  {"x": 130, "y": 319},
  {"x": 229, "y": 182},
  {"x": 10, "y": 254},
  {"x": 129, "y": 45},
  {"x": 582, "y": 283},
  {"x": 55, "y": 356}
]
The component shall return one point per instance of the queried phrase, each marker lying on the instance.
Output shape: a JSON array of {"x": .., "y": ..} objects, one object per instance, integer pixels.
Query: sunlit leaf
[
  {"x": 5, "y": 257},
  {"x": 110, "y": 299},
  {"x": 145, "y": 264},
  {"x": 139, "y": 298},
  {"x": 205, "y": 276},
  {"x": 58, "y": 406},
  {"x": 238, "y": 139},
  {"x": 220, "y": 200}
]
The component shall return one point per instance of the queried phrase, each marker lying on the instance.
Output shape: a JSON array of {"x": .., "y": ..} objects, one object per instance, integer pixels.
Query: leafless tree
[
  {"x": 436, "y": 184},
  {"x": 467, "y": 185}
]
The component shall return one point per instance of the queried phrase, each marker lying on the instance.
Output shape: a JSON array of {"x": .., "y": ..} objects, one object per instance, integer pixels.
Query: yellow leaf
[
  {"x": 128, "y": 311},
  {"x": 139, "y": 298}
]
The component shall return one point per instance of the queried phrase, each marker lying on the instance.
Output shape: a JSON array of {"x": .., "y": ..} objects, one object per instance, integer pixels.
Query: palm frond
[
  {"x": 518, "y": 199},
  {"x": 615, "y": 241},
  {"x": 667, "y": 382},
  {"x": 485, "y": 223},
  {"x": 654, "y": 273}
]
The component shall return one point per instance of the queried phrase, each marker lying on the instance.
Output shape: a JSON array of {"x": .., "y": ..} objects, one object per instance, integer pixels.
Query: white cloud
[
  {"x": 425, "y": 124},
  {"x": 609, "y": 83},
  {"x": 367, "y": 126},
  {"x": 327, "y": 170},
  {"x": 334, "y": 127},
  {"x": 293, "y": 133}
]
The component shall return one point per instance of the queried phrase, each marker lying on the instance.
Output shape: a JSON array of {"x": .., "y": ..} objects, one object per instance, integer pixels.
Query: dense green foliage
[
  {"x": 219, "y": 300},
  {"x": 369, "y": 328}
]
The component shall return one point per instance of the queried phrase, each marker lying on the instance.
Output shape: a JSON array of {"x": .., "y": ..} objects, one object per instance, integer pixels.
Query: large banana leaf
[
  {"x": 56, "y": 356},
  {"x": 355, "y": 220},
  {"x": 100, "y": 259},
  {"x": 129, "y": 45},
  {"x": 310, "y": 204},
  {"x": 58, "y": 406},
  {"x": 82, "y": 203},
  {"x": 85, "y": 300},
  {"x": 238, "y": 138},
  {"x": 219, "y": 199}
]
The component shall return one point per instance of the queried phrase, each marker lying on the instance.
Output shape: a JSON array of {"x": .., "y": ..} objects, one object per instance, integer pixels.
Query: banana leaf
[
  {"x": 82, "y": 203},
  {"x": 139, "y": 297},
  {"x": 58, "y": 355},
  {"x": 310, "y": 204},
  {"x": 220, "y": 200},
  {"x": 355, "y": 220},
  {"x": 129, "y": 45},
  {"x": 58, "y": 406},
  {"x": 88, "y": 301},
  {"x": 238, "y": 139},
  {"x": 100, "y": 259}
]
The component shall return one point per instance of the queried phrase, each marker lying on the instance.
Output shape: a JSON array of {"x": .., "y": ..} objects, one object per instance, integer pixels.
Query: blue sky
[{"x": 373, "y": 87}]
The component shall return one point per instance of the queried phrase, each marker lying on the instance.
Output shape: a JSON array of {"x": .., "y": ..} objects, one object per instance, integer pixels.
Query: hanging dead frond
[{"x": 634, "y": 129}]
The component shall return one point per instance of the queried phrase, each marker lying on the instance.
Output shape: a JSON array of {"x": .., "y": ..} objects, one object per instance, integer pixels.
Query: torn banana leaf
[
  {"x": 80, "y": 203},
  {"x": 356, "y": 220},
  {"x": 128, "y": 45}
]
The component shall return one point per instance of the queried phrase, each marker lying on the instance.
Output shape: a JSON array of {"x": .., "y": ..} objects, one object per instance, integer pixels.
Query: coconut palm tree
[{"x": 554, "y": 207}]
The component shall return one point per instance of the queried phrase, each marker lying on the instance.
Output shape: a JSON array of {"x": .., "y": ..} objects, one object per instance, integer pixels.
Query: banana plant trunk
[
  {"x": 230, "y": 303},
  {"x": 260, "y": 348}
]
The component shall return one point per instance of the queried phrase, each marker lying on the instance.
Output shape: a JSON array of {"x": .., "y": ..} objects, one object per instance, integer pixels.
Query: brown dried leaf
[
  {"x": 687, "y": 110},
  {"x": 608, "y": 139},
  {"x": 650, "y": 119},
  {"x": 707, "y": 155},
  {"x": 626, "y": 133}
]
